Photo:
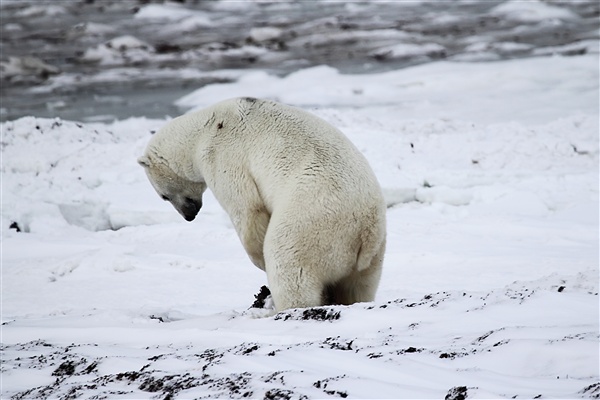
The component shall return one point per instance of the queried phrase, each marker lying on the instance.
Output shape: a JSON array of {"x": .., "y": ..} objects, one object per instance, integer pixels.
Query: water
[{"x": 213, "y": 41}]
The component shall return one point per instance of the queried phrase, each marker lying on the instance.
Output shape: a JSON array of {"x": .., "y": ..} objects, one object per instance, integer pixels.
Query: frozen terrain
[
  {"x": 490, "y": 284},
  {"x": 480, "y": 119}
]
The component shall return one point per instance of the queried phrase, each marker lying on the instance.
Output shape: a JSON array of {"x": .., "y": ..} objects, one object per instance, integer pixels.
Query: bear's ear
[{"x": 144, "y": 161}]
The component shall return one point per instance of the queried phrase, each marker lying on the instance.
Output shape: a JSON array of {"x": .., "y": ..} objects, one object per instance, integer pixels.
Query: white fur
[{"x": 304, "y": 201}]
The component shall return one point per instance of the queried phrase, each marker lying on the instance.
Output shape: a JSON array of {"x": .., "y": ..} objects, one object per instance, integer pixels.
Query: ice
[
  {"x": 170, "y": 11},
  {"x": 92, "y": 29},
  {"x": 39, "y": 11},
  {"x": 264, "y": 34},
  {"x": 408, "y": 50},
  {"x": 533, "y": 10},
  {"x": 120, "y": 50},
  {"x": 16, "y": 67}
]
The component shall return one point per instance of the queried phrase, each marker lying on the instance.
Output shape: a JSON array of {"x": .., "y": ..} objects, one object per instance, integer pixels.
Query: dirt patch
[
  {"x": 65, "y": 369},
  {"x": 457, "y": 393},
  {"x": 592, "y": 391},
  {"x": 310, "y": 314}
]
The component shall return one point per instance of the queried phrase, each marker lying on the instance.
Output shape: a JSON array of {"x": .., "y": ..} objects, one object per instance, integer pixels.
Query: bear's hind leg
[
  {"x": 359, "y": 286},
  {"x": 291, "y": 288}
]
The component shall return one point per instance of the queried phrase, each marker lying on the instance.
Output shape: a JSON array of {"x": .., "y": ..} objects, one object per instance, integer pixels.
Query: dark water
[{"x": 48, "y": 40}]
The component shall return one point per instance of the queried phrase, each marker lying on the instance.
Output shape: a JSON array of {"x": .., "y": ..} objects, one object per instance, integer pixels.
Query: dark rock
[
  {"x": 259, "y": 299},
  {"x": 457, "y": 393}
]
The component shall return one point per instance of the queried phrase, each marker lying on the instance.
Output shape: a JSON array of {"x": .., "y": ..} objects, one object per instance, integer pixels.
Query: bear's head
[{"x": 183, "y": 194}]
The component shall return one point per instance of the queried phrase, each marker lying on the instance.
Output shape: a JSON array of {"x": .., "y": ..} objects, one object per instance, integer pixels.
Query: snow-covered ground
[{"x": 490, "y": 284}]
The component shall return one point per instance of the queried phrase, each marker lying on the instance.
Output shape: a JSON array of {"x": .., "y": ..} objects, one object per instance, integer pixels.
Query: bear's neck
[{"x": 181, "y": 140}]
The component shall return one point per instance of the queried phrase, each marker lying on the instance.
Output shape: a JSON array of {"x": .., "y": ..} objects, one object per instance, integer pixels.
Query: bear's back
[{"x": 295, "y": 153}]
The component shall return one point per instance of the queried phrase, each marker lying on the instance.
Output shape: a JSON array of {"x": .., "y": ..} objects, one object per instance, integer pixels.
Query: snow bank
[
  {"x": 429, "y": 161},
  {"x": 536, "y": 88},
  {"x": 47, "y": 163}
]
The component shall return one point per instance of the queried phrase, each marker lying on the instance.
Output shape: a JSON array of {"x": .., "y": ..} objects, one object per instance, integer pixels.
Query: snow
[
  {"x": 490, "y": 172},
  {"x": 186, "y": 19},
  {"x": 91, "y": 29},
  {"x": 120, "y": 50},
  {"x": 169, "y": 11},
  {"x": 264, "y": 34},
  {"x": 14, "y": 67},
  {"x": 38, "y": 11},
  {"x": 435, "y": 89},
  {"x": 533, "y": 11},
  {"x": 408, "y": 50}
]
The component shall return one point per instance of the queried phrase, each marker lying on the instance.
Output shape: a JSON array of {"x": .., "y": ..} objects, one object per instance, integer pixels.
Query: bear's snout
[{"x": 190, "y": 208}]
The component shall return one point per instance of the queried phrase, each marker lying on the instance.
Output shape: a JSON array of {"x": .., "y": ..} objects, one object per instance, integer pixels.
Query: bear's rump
[{"x": 329, "y": 249}]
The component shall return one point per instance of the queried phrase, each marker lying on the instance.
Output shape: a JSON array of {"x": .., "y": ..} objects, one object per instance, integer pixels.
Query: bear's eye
[{"x": 165, "y": 198}]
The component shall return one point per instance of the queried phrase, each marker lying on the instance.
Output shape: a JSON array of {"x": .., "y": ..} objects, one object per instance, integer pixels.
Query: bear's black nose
[
  {"x": 191, "y": 208},
  {"x": 189, "y": 217}
]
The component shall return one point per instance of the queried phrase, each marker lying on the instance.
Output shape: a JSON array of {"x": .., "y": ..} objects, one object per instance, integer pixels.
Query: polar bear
[{"x": 304, "y": 201}]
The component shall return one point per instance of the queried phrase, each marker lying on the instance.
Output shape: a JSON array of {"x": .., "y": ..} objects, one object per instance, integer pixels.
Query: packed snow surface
[{"x": 490, "y": 283}]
